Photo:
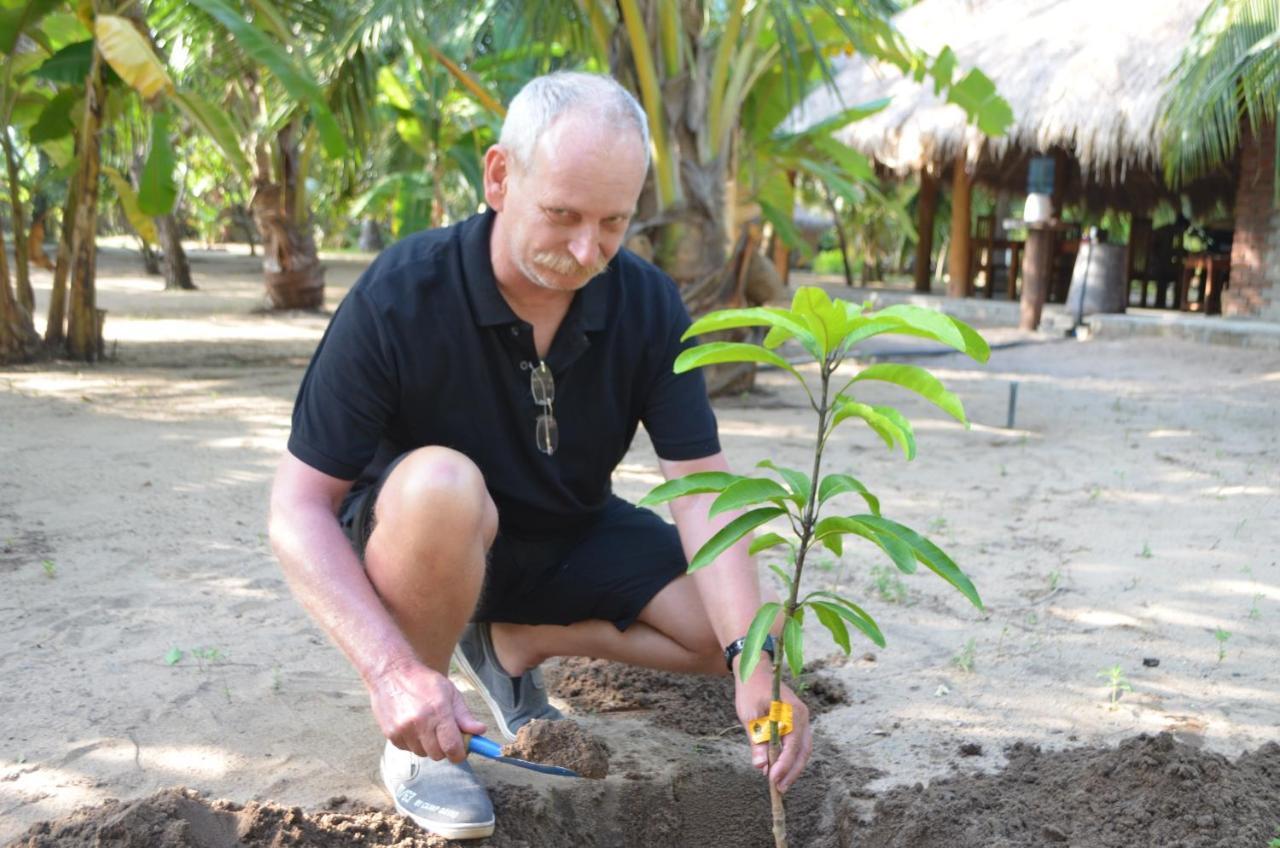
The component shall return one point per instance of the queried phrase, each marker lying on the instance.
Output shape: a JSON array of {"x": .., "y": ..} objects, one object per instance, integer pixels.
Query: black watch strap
[{"x": 736, "y": 648}]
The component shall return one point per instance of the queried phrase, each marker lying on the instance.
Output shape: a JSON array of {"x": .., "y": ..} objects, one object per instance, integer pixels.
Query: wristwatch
[{"x": 736, "y": 648}]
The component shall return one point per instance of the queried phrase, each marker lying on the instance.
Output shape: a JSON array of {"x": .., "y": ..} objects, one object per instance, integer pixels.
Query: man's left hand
[{"x": 752, "y": 701}]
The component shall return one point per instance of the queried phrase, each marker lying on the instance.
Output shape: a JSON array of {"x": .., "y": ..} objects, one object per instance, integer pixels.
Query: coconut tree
[
  {"x": 1228, "y": 80},
  {"x": 716, "y": 81},
  {"x": 1223, "y": 101}
]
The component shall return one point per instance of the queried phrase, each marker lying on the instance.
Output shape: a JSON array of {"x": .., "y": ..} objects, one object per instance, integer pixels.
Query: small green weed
[
  {"x": 888, "y": 584},
  {"x": 1222, "y": 636},
  {"x": 1145, "y": 553},
  {"x": 1055, "y": 578},
  {"x": 937, "y": 524},
  {"x": 50, "y": 570},
  {"x": 1116, "y": 682},
  {"x": 964, "y": 660},
  {"x": 1095, "y": 493},
  {"x": 1254, "y": 612},
  {"x": 203, "y": 655}
]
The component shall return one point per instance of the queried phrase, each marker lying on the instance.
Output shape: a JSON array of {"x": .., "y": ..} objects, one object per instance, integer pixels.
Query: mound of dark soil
[
  {"x": 1150, "y": 791},
  {"x": 561, "y": 743},
  {"x": 699, "y": 705}
]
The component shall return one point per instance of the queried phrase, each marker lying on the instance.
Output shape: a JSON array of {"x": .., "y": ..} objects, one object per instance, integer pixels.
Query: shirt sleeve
[
  {"x": 349, "y": 393},
  {"x": 677, "y": 415}
]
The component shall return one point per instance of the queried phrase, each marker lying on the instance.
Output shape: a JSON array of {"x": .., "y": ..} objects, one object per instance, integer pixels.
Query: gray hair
[{"x": 544, "y": 99}]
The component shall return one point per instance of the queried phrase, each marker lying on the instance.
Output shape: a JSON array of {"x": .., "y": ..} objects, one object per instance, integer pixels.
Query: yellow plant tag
[{"x": 779, "y": 712}]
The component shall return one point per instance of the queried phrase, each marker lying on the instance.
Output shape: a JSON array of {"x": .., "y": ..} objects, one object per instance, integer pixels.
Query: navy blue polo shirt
[{"x": 424, "y": 350}]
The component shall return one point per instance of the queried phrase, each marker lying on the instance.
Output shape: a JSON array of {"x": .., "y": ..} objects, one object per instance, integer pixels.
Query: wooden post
[
  {"x": 1037, "y": 266},
  {"x": 926, "y": 207},
  {"x": 961, "y": 282}
]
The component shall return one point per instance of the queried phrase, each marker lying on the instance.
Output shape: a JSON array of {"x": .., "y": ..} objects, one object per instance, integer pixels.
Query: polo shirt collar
[{"x": 489, "y": 308}]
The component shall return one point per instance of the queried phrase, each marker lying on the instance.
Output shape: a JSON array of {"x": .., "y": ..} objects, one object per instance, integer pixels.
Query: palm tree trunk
[
  {"x": 18, "y": 338},
  {"x": 55, "y": 331},
  {"x": 26, "y": 297},
  {"x": 291, "y": 265},
  {"x": 84, "y": 331},
  {"x": 177, "y": 270}
]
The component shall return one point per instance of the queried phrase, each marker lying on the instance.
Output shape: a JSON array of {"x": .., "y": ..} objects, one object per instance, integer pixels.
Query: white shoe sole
[
  {"x": 473, "y": 680},
  {"x": 458, "y": 830}
]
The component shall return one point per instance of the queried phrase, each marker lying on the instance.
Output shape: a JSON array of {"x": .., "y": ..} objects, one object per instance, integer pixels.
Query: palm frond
[{"x": 1228, "y": 77}]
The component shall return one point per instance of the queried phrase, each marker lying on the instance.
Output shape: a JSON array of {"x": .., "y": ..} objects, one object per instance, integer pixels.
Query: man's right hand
[{"x": 420, "y": 710}]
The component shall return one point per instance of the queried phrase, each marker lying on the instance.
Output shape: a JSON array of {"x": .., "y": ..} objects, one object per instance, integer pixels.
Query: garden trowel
[{"x": 493, "y": 751}]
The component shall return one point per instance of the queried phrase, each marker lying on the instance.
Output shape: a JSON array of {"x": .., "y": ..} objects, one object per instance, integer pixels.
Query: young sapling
[{"x": 797, "y": 499}]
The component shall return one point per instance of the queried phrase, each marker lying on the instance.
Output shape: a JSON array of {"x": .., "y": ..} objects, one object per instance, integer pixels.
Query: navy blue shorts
[{"x": 609, "y": 570}]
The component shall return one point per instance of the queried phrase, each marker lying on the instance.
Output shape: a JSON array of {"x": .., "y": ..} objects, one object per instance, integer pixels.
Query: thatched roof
[{"x": 1086, "y": 76}]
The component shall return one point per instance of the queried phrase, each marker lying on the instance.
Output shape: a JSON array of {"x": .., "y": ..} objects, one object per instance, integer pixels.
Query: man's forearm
[
  {"x": 730, "y": 587},
  {"x": 328, "y": 580}
]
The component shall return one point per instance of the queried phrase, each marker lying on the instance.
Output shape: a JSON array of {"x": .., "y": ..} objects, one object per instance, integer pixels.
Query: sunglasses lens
[{"x": 548, "y": 434}]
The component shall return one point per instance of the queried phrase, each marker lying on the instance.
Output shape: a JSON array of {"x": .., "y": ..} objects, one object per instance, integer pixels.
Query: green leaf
[
  {"x": 906, "y": 320},
  {"x": 793, "y": 645},
  {"x": 295, "y": 79},
  {"x": 943, "y": 68},
  {"x": 833, "y": 543},
  {"x": 825, "y": 321},
  {"x": 158, "y": 190},
  {"x": 55, "y": 120},
  {"x": 15, "y": 21},
  {"x": 929, "y": 555},
  {"x": 825, "y": 127},
  {"x": 759, "y": 316},
  {"x": 838, "y": 484},
  {"x": 713, "y": 353},
  {"x": 173, "y": 657},
  {"x": 783, "y": 224},
  {"x": 783, "y": 576},
  {"x": 976, "y": 94},
  {"x": 918, "y": 380},
  {"x": 898, "y": 550},
  {"x": 834, "y": 623},
  {"x": 907, "y": 436},
  {"x": 271, "y": 18},
  {"x": 766, "y": 541},
  {"x": 853, "y": 614},
  {"x": 853, "y": 164},
  {"x": 888, "y": 427},
  {"x": 759, "y": 629},
  {"x": 698, "y": 483},
  {"x": 797, "y": 481},
  {"x": 69, "y": 66},
  {"x": 729, "y": 534},
  {"x": 139, "y": 220},
  {"x": 215, "y": 124},
  {"x": 745, "y": 492}
]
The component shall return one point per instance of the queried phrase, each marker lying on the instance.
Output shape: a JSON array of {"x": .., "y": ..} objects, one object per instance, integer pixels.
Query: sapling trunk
[{"x": 807, "y": 523}]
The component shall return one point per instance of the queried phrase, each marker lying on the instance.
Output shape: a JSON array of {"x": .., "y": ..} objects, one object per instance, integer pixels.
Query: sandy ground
[{"x": 147, "y": 638}]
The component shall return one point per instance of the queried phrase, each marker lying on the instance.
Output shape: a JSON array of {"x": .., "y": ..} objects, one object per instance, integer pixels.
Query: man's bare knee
[{"x": 437, "y": 487}]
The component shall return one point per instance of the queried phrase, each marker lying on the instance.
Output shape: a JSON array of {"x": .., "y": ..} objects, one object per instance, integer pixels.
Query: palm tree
[
  {"x": 1228, "y": 80},
  {"x": 1223, "y": 101}
]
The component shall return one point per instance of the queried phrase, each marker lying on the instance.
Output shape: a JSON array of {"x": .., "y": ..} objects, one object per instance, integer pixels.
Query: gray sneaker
[
  {"x": 514, "y": 701},
  {"x": 438, "y": 796}
]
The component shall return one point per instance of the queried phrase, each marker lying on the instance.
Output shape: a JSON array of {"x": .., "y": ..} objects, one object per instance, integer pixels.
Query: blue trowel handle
[{"x": 484, "y": 747}]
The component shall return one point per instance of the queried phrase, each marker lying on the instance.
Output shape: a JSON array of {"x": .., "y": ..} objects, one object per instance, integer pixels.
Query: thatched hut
[{"x": 1085, "y": 80}]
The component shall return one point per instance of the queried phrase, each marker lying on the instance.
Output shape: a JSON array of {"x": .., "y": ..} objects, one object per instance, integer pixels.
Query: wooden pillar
[
  {"x": 1037, "y": 268},
  {"x": 961, "y": 259},
  {"x": 926, "y": 207}
]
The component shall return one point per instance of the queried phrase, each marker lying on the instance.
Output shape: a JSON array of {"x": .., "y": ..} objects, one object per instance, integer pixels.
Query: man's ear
[{"x": 497, "y": 171}]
